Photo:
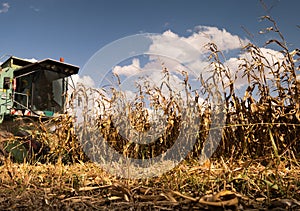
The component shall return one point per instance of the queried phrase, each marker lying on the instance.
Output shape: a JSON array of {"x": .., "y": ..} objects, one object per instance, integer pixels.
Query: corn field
[{"x": 255, "y": 165}]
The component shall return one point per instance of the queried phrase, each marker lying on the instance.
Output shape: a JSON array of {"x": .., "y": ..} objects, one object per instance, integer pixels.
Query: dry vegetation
[{"x": 255, "y": 166}]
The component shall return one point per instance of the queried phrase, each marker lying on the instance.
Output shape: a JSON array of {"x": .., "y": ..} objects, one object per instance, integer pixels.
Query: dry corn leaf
[
  {"x": 89, "y": 188},
  {"x": 184, "y": 196},
  {"x": 222, "y": 199},
  {"x": 113, "y": 198},
  {"x": 168, "y": 196}
]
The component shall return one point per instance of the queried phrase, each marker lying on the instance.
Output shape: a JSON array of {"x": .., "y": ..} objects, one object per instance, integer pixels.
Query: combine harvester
[{"x": 32, "y": 89}]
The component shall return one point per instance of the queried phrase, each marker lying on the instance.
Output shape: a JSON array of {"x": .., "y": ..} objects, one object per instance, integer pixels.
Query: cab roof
[{"x": 24, "y": 66}]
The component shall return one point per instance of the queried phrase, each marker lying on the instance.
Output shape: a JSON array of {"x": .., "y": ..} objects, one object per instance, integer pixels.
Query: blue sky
[{"x": 76, "y": 29}]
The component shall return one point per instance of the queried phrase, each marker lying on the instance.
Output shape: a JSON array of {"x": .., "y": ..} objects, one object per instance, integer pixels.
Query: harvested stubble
[{"x": 87, "y": 186}]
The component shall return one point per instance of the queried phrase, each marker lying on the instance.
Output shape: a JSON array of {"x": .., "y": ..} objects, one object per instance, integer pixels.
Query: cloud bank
[
  {"x": 192, "y": 50},
  {"x": 178, "y": 53}
]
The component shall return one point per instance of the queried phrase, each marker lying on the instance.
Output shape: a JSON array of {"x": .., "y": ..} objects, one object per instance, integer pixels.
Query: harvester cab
[{"x": 33, "y": 88}]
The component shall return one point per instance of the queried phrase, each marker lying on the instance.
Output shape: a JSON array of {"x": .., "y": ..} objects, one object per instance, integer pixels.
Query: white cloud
[
  {"x": 151, "y": 72},
  {"x": 5, "y": 7},
  {"x": 271, "y": 58},
  {"x": 173, "y": 46},
  {"x": 178, "y": 52},
  {"x": 33, "y": 60},
  {"x": 35, "y": 9},
  {"x": 87, "y": 81},
  {"x": 193, "y": 46},
  {"x": 191, "y": 50},
  {"x": 223, "y": 39},
  {"x": 127, "y": 70}
]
